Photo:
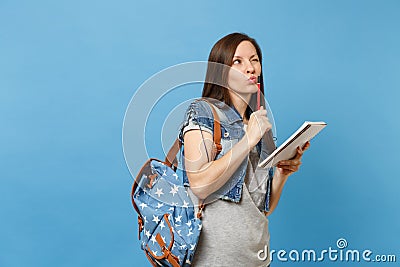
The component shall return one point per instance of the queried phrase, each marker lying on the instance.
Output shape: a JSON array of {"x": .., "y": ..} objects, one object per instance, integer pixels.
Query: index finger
[
  {"x": 299, "y": 153},
  {"x": 300, "y": 150},
  {"x": 305, "y": 146},
  {"x": 261, "y": 111}
]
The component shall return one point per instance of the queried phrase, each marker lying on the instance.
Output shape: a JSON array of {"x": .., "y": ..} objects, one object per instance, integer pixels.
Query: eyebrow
[{"x": 255, "y": 55}]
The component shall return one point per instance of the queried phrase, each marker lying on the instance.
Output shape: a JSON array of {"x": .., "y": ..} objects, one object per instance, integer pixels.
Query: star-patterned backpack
[{"x": 169, "y": 229}]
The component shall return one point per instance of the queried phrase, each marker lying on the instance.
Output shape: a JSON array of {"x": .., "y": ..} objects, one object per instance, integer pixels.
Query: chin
[
  {"x": 252, "y": 88},
  {"x": 244, "y": 89}
]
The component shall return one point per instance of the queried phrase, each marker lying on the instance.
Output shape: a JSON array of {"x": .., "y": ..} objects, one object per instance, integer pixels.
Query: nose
[{"x": 250, "y": 68}]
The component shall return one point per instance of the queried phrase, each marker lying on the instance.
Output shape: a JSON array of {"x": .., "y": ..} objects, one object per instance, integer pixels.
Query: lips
[{"x": 253, "y": 79}]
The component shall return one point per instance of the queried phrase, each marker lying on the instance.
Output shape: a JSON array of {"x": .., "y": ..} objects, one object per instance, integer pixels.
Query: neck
[{"x": 240, "y": 102}]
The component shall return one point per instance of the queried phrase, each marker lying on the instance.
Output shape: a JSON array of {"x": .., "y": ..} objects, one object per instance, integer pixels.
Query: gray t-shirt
[{"x": 233, "y": 234}]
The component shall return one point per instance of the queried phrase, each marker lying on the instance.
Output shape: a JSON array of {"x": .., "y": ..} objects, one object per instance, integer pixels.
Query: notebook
[{"x": 287, "y": 150}]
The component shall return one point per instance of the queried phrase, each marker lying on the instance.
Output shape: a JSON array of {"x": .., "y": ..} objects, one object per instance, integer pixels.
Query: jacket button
[{"x": 226, "y": 134}]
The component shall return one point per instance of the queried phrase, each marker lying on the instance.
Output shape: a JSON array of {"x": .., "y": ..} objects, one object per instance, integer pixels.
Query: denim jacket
[{"x": 200, "y": 113}]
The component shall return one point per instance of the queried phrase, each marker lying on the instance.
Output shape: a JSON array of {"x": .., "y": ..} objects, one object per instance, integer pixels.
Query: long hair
[{"x": 217, "y": 75}]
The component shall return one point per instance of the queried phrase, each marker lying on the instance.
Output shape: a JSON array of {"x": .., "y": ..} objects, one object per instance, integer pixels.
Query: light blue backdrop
[{"x": 69, "y": 68}]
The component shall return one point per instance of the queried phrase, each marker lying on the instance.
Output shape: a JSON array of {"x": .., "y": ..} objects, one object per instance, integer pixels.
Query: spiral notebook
[{"x": 287, "y": 150}]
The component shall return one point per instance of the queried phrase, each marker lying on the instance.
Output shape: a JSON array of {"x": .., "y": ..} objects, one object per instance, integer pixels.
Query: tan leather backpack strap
[
  {"x": 170, "y": 159},
  {"x": 201, "y": 207},
  {"x": 217, "y": 130},
  {"x": 217, "y": 127}
]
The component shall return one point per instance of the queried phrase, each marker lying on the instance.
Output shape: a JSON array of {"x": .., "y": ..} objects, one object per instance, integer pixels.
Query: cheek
[
  {"x": 257, "y": 68},
  {"x": 235, "y": 78}
]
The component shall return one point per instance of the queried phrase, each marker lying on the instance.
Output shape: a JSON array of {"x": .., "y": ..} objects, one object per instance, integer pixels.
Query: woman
[{"x": 235, "y": 226}]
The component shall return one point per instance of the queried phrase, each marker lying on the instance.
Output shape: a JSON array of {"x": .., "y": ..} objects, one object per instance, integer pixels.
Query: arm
[
  {"x": 285, "y": 168},
  {"x": 207, "y": 177}
]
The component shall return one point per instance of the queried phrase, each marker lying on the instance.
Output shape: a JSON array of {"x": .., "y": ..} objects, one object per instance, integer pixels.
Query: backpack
[{"x": 169, "y": 229}]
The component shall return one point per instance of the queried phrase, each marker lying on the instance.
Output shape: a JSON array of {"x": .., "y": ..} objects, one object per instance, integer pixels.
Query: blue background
[{"x": 69, "y": 68}]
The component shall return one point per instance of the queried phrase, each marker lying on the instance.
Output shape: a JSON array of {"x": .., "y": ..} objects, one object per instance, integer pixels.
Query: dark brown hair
[{"x": 217, "y": 75}]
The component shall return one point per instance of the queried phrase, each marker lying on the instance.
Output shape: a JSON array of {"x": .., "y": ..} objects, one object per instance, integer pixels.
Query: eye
[
  {"x": 236, "y": 61},
  {"x": 255, "y": 60}
]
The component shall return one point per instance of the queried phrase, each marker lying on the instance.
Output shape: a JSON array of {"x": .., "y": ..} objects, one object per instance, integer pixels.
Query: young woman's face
[{"x": 245, "y": 69}]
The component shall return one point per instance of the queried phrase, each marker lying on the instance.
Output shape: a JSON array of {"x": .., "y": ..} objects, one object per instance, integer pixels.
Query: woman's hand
[
  {"x": 288, "y": 167},
  {"x": 257, "y": 126},
  {"x": 285, "y": 168}
]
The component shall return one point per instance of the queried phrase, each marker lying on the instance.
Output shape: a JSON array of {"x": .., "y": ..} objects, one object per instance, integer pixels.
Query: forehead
[{"x": 245, "y": 48}]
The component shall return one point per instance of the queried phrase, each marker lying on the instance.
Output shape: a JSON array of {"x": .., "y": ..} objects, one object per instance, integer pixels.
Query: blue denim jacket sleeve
[
  {"x": 269, "y": 189},
  {"x": 198, "y": 114}
]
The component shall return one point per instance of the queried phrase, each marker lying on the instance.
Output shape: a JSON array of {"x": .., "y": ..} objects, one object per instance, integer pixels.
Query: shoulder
[
  {"x": 200, "y": 108},
  {"x": 197, "y": 116}
]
